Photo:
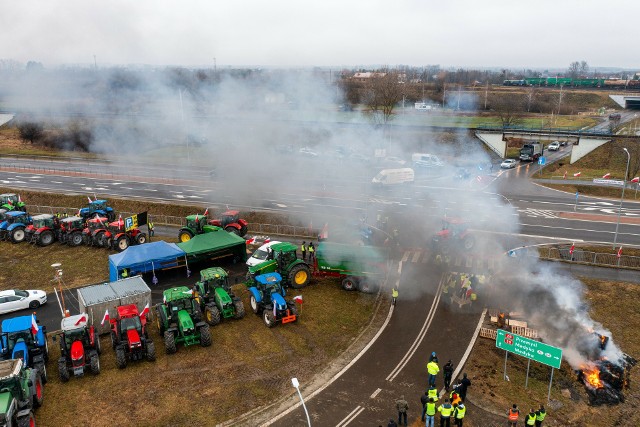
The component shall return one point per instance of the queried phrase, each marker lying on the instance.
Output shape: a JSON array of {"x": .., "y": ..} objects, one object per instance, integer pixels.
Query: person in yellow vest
[
  {"x": 430, "y": 411},
  {"x": 394, "y": 295},
  {"x": 530, "y": 419},
  {"x": 540, "y": 414},
  {"x": 433, "y": 369},
  {"x": 124, "y": 274},
  {"x": 303, "y": 249},
  {"x": 432, "y": 393},
  {"x": 445, "y": 413},
  {"x": 459, "y": 413},
  {"x": 151, "y": 229},
  {"x": 513, "y": 414},
  {"x": 312, "y": 252},
  {"x": 454, "y": 397}
]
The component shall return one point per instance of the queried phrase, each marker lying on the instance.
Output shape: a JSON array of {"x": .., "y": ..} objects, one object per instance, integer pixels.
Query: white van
[
  {"x": 394, "y": 176},
  {"x": 260, "y": 255},
  {"x": 423, "y": 159}
]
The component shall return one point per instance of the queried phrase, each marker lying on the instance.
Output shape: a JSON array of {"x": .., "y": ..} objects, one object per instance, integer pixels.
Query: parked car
[
  {"x": 16, "y": 299},
  {"x": 554, "y": 146},
  {"x": 508, "y": 164},
  {"x": 260, "y": 254}
]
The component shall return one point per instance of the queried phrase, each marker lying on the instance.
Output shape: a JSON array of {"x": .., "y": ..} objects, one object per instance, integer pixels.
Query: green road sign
[{"x": 531, "y": 349}]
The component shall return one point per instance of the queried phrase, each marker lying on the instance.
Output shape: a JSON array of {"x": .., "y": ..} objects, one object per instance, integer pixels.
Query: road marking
[
  {"x": 405, "y": 257},
  {"x": 375, "y": 393},
  {"x": 352, "y": 415},
  {"x": 427, "y": 322},
  {"x": 416, "y": 256}
]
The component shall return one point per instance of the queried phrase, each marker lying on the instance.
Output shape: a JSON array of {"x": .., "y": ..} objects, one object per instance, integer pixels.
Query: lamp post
[
  {"x": 296, "y": 384},
  {"x": 624, "y": 185}
]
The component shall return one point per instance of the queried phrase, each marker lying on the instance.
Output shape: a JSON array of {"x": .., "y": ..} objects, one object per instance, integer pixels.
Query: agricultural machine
[
  {"x": 232, "y": 223},
  {"x": 79, "y": 347},
  {"x": 43, "y": 230},
  {"x": 14, "y": 225},
  {"x": 215, "y": 296},
  {"x": 70, "y": 231},
  {"x": 121, "y": 239},
  {"x": 129, "y": 336},
  {"x": 196, "y": 224},
  {"x": 199, "y": 224},
  {"x": 455, "y": 234},
  {"x": 3, "y": 214},
  {"x": 267, "y": 299},
  {"x": 96, "y": 233},
  {"x": 97, "y": 208},
  {"x": 19, "y": 342},
  {"x": 12, "y": 202},
  {"x": 21, "y": 391},
  {"x": 180, "y": 320},
  {"x": 283, "y": 259}
]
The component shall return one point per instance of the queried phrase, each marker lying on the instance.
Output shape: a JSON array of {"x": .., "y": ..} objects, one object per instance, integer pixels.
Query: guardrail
[
  {"x": 578, "y": 256},
  {"x": 562, "y": 130}
]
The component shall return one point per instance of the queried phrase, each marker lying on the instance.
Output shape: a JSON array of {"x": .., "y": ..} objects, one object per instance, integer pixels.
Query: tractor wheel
[
  {"x": 367, "y": 287},
  {"x": 161, "y": 320},
  {"x": 151, "y": 351},
  {"x": 46, "y": 349},
  {"x": 243, "y": 231},
  {"x": 42, "y": 369},
  {"x": 63, "y": 372},
  {"x": 232, "y": 230},
  {"x": 34, "y": 304},
  {"x": 45, "y": 238},
  {"x": 28, "y": 421},
  {"x": 205, "y": 336},
  {"x": 169, "y": 342},
  {"x": 254, "y": 305},
  {"x": 293, "y": 310},
  {"x": 95, "y": 364},
  {"x": 212, "y": 314},
  {"x": 268, "y": 318},
  {"x": 185, "y": 235},
  {"x": 38, "y": 388},
  {"x": 299, "y": 276},
  {"x": 18, "y": 235},
  {"x": 141, "y": 238},
  {"x": 469, "y": 242},
  {"x": 121, "y": 358},
  {"x": 239, "y": 309},
  {"x": 100, "y": 239},
  {"x": 122, "y": 243},
  {"x": 75, "y": 239},
  {"x": 98, "y": 343},
  {"x": 349, "y": 284},
  {"x": 114, "y": 340}
]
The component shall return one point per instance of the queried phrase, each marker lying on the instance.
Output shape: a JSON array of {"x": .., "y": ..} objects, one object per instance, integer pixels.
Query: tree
[
  {"x": 584, "y": 68},
  {"x": 509, "y": 109},
  {"x": 383, "y": 91},
  {"x": 574, "y": 70},
  {"x": 30, "y": 131}
]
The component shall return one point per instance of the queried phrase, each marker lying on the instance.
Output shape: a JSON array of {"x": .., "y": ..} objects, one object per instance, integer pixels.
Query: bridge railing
[
  {"x": 540, "y": 129},
  {"x": 578, "y": 256}
]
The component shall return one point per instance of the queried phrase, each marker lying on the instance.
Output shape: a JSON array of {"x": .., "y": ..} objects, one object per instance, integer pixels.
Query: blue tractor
[
  {"x": 267, "y": 299},
  {"x": 18, "y": 341},
  {"x": 98, "y": 208},
  {"x": 14, "y": 225}
]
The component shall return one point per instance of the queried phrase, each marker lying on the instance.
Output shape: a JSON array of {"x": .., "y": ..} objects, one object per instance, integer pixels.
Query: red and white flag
[
  {"x": 34, "y": 325},
  {"x": 206, "y": 212},
  {"x": 82, "y": 318},
  {"x": 620, "y": 252},
  {"x": 565, "y": 175},
  {"x": 251, "y": 240},
  {"x": 577, "y": 174},
  {"x": 606, "y": 176},
  {"x": 197, "y": 219},
  {"x": 324, "y": 234},
  {"x": 267, "y": 239},
  {"x": 106, "y": 317},
  {"x": 145, "y": 310},
  {"x": 573, "y": 246},
  {"x": 89, "y": 198},
  {"x": 19, "y": 199},
  {"x": 636, "y": 179},
  {"x": 298, "y": 299}
]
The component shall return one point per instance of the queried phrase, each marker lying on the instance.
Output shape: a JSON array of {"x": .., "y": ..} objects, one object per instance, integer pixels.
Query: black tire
[
  {"x": 293, "y": 309},
  {"x": 468, "y": 243},
  {"x": 46, "y": 347},
  {"x": 97, "y": 341},
  {"x": 27, "y": 421},
  {"x": 34, "y": 304},
  {"x": 232, "y": 230},
  {"x": 111, "y": 216},
  {"x": 238, "y": 305},
  {"x": 18, "y": 235},
  {"x": 151, "y": 351},
  {"x": 212, "y": 315},
  {"x": 75, "y": 239},
  {"x": 94, "y": 364},
  {"x": 169, "y": 342},
  {"x": 63, "y": 372},
  {"x": 45, "y": 238},
  {"x": 184, "y": 236},
  {"x": 161, "y": 320},
  {"x": 255, "y": 306},
  {"x": 42, "y": 369},
  {"x": 114, "y": 340},
  {"x": 367, "y": 287},
  {"x": 122, "y": 243},
  {"x": 100, "y": 239},
  {"x": 141, "y": 238},
  {"x": 299, "y": 276},
  {"x": 205, "y": 336},
  {"x": 121, "y": 358},
  {"x": 243, "y": 231},
  {"x": 268, "y": 318},
  {"x": 349, "y": 284},
  {"x": 38, "y": 390}
]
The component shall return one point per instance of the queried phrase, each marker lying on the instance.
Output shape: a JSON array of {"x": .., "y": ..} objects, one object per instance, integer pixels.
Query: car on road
[
  {"x": 260, "y": 254},
  {"x": 554, "y": 146},
  {"x": 508, "y": 164},
  {"x": 16, "y": 299}
]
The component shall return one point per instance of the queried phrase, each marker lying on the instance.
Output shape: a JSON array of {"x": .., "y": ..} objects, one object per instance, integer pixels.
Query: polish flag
[
  {"x": 298, "y": 299},
  {"x": 145, "y": 310},
  {"x": 106, "y": 317},
  {"x": 251, "y": 240},
  {"x": 577, "y": 174},
  {"x": 206, "y": 212},
  {"x": 565, "y": 175},
  {"x": 606, "y": 176},
  {"x": 80, "y": 320},
  {"x": 34, "y": 325},
  {"x": 19, "y": 199},
  {"x": 267, "y": 239},
  {"x": 197, "y": 219},
  {"x": 89, "y": 198},
  {"x": 636, "y": 179},
  {"x": 573, "y": 246},
  {"x": 620, "y": 252}
]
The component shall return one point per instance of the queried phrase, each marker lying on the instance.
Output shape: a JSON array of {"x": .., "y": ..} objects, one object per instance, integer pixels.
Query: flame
[{"x": 592, "y": 377}]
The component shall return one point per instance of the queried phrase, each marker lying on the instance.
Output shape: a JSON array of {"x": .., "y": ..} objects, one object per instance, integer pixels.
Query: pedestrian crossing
[
  {"x": 538, "y": 213},
  {"x": 423, "y": 257}
]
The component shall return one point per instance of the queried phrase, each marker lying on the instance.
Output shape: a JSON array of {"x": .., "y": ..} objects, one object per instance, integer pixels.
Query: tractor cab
[
  {"x": 270, "y": 283},
  {"x": 14, "y": 220},
  {"x": 452, "y": 227},
  {"x": 212, "y": 278},
  {"x": 11, "y": 202},
  {"x": 42, "y": 221},
  {"x": 71, "y": 223},
  {"x": 229, "y": 217},
  {"x": 79, "y": 347},
  {"x": 117, "y": 226},
  {"x": 196, "y": 222},
  {"x": 454, "y": 232},
  {"x": 97, "y": 223},
  {"x": 97, "y": 207}
]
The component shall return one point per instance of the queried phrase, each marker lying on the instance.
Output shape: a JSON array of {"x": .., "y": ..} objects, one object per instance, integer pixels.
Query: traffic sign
[
  {"x": 531, "y": 349},
  {"x": 131, "y": 222},
  {"x": 542, "y": 160}
]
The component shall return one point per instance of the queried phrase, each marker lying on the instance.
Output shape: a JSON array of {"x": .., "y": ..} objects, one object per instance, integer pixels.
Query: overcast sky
[{"x": 492, "y": 33}]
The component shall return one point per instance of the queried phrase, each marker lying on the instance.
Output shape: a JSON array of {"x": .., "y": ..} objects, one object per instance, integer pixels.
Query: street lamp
[
  {"x": 296, "y": 384},
  {"x": 624, "y": 185}
]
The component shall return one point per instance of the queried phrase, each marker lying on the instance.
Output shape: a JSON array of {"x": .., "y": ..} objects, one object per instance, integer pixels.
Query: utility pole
[{"x": 486, "y": 95}]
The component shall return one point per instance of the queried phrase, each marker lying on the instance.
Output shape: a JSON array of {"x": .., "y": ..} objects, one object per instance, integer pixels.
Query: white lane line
[
  {"x": 375, "y": 393},
  {"x": 405, "y": 257},
  {"x": 352, "y": 415},
  {"x": 416, "y": 256},
  {"x": 580, "y": 229},
  {"x": 427, "y": 322}
]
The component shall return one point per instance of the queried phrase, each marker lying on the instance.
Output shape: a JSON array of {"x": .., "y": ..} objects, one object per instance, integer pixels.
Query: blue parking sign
[{"x": 542, "y": 160}]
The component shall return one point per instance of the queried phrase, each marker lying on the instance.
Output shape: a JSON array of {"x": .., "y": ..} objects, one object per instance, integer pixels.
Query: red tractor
[
  {"x": 232, "y": 223},
  {"x": 43, "y": 230},
  {"x": 454, "y": 235},
  {"x": 95, "y": 233},
  {"x": 120, "y": 239},
  {"x": 79, "y": 347},
  {"x": 70, "y": 231},
  {"x": 129, "y": 336}
]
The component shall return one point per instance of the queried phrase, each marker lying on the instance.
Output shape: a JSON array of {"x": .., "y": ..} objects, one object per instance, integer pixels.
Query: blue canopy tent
[{"x": 143, "y": 258}]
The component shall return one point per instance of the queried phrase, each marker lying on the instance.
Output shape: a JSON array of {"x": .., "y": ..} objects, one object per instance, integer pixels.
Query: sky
[{"x": 331, "y": 33}]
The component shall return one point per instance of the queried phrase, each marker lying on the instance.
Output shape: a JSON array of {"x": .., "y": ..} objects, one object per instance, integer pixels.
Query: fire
[{"x": 592, "y": 377}]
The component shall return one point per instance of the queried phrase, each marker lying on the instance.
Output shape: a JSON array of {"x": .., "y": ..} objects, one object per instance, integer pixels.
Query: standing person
[
  {"x": 464, "y": 383},
  {"x": 424, "y": 399},
  {"x": 312, "y": 252},
  {"x": 151, "y": 229},
  {"x": 394, "y": 295},
  {"x": 433, "y": 392},
  {"x": 433, "y": 357},
  {"x": 458, "y": 414},
  {"x": 303, "y": 249},
  {"x": 540, "y": 414},
  {"x": 430, "y": 410},
  {"x": 445, "y": 413},
  {"x": 447, "y": 371},
  {"x": 402, "y": 406},
  {"x": 433, "y": 369},
  {"x": 513, "y": 414},
  {"x": 530, "y": 418}
]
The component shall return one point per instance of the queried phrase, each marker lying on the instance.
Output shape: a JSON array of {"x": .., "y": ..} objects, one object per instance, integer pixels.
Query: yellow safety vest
[
  {"x": 540, "y": 415},
  {"x": 433, "y": 368},
  {"x": 311, "y": 249},
  {"x": 303, "y": 248},
  {"x": 150, "y": 224},
  {"x": 124, "y": 273},
  {"x": 445, "y": 411},
  {"x": 531, "y": 419},
  {"x": 431, "y": 408},
  {"x": 433, "y": 393},
  {"x": 394, "y": 293},
  {"x": 461, "y": 410}
]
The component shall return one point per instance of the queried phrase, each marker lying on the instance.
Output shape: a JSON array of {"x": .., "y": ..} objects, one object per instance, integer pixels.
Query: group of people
[
  {"x": 533, "y": 418},
  {"x": 310, "y": 249}
]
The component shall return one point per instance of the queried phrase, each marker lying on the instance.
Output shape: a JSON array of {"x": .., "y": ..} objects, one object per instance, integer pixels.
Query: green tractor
[
  {"x": 217, "y": 300},
  {"x": 21, "y": 391},
  {"x": 196, "y": 224},
  {"x": 180, "y": 320},
  {"x": 283, "y": 259},
  {"x": 12, "y": 202}
]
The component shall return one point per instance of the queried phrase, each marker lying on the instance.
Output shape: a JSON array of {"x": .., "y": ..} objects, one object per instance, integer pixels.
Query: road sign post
[{"x": 541, "y": 162}]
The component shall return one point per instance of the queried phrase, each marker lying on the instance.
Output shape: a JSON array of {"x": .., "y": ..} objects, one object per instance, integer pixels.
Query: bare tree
[
  {"x": 574, "y": 70},
  {"x": 509, "y": 109},
  {"x": 31, "y": 131},
  {"x": 382, "y": 93},
  {"x": 584, "y": 68}
]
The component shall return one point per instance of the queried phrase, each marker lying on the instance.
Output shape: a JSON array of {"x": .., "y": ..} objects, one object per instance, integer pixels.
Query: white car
[
  {"x": 554, "y": 146},
  {"x": 508, "y": 164},
  {"x": 260, "y": 255},
  {"x": 17, "y": 299}
]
